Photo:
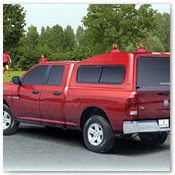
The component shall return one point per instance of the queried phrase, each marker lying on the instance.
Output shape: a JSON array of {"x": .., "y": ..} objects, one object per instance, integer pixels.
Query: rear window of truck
[
  {"x": 153, "y": 73},
  {"x": 101, "y": 74}
]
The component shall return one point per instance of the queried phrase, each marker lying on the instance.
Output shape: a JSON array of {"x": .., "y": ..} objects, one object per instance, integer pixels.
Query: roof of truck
[
  {"x": 108, "y": 57},
  {"x": 111, "y": 56}
]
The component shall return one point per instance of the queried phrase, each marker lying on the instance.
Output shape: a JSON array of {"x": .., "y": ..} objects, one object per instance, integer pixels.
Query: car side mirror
[{"x": 16, "y": 80}]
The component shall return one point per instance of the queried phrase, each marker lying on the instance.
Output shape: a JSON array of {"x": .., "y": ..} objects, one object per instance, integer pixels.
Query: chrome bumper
[{"x": 142, "y": 126}]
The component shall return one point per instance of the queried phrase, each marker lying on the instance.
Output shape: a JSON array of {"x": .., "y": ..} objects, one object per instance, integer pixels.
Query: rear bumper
[{"x": 142, "y": 126}]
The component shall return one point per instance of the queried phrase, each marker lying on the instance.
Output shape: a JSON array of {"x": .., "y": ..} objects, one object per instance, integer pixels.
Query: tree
[
  {"x": 43, "y": 44},
  {"x": 28, "y": 51},
  {"x": 119, "y": 23},
  {"x": 51, "y": 42},
  {"x": 69, "y": 39},
  {"x": 13, "y": 25},
  {"x": 79, "y": 35},
  {"x": 163, "y": 29},
  {"x": 153, "y": 43},
  {"x": 104, "y": 24},
  {"x": 55, "y": 38},
  {"x": 32, "y": 38}
]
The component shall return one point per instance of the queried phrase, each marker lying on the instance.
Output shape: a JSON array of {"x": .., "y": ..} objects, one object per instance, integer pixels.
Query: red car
[{"x": 103, "y": 96}]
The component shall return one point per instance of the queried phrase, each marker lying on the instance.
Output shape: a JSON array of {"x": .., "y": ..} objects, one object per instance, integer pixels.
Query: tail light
[{"x": 131, "y": 107}]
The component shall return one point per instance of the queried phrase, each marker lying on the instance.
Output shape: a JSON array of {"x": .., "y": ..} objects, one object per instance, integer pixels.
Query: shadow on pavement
[
  {"x": 125, "y": 147},
  {"x": 134, "y": 147}
]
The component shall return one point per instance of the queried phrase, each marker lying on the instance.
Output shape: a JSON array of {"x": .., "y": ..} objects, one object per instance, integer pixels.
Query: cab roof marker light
[
  {"x": 156, "y": 53},
  {"x": 166, "y": 52}
]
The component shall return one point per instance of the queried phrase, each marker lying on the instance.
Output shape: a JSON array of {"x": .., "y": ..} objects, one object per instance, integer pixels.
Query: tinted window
[
  {"x": 56, "y": 75},
  {"x": 35, "y": 76},
  {"x": 89, "y": 74},
  {"x": 112, "y": 75},
  {"x": 101, "y": 74},
  {"x": 153, "y": 73}
]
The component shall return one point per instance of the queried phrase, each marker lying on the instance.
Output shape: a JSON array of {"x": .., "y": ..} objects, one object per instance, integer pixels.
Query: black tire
[
  {"x": 98, "y": 135},
  {"x": 153, "y": 138},
  {"x": 10, "y": 126}
]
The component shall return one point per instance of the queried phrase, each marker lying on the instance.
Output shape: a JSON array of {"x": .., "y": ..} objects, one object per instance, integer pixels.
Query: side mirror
[{"x": 16, "y": 80}]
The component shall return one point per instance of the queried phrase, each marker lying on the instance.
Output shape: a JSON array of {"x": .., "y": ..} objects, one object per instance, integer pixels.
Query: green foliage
[
  {"x": 131, "y": 48},
  {"x": 119, "y": 23},
  {"x": 32, "y": 38},
  {"x": 28, "y": 51},
  {"x": 13, "y": 25},
  {"x": 104, "y": 24},
  {"x": 153, "y": 43},
  {"x": 79, "y": 35},
  {"x": 163, "y": 29},
  {"x": 68, "y": 39}
]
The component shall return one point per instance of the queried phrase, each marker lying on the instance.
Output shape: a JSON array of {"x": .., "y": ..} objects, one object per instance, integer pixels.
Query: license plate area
[{"x": 163, "y": 123}]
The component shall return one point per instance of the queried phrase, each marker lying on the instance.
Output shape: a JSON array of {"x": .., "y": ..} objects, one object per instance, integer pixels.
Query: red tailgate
[{"x": 153, "y": 105}]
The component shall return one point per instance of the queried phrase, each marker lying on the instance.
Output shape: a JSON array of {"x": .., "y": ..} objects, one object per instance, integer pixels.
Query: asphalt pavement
[{"x": 34, "y": 148}]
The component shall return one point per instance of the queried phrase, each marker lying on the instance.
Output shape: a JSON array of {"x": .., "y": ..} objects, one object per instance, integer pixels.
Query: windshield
[{"x": 153, "y": 73}]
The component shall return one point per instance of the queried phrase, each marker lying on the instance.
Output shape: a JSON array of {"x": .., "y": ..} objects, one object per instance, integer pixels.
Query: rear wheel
[
  {"x": 98, "y": 135},
  {"x": 153, "y": 138},
  {"x": 10, "y": 126}
]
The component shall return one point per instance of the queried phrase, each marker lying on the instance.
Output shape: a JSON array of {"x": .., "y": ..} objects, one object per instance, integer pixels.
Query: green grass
[{"x": 12, "y": 73}]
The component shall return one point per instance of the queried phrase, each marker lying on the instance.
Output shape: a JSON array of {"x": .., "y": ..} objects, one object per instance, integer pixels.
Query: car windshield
[{"x": 153, "y": 73}]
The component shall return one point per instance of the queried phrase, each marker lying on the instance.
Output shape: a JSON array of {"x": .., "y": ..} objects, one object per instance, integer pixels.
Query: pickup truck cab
[{"x": 103, "y": 96}]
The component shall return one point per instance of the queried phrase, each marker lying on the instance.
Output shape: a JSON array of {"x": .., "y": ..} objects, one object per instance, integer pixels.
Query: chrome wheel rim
[
  {"x": 95, "y": 134},
  {"x": 6, "y": 120}
]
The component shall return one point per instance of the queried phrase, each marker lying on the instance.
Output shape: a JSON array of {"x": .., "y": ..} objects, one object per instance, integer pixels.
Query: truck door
[
  {"x": 26, "y": 99},
  {"x": 52, "y": 96}
]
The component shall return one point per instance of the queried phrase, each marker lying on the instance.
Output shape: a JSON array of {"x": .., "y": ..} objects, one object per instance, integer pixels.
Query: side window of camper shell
[{"x": 101, "y": 74}]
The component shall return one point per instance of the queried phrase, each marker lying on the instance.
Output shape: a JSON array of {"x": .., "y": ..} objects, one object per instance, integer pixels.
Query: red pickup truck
[{"x": 103, "y": 96}]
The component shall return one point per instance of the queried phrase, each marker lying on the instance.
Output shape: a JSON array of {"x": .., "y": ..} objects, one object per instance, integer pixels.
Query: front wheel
[
  {"x": 10, "y": 126},
  {"x": 153, "y": 138},
  {"x": 98, "y": 135}
]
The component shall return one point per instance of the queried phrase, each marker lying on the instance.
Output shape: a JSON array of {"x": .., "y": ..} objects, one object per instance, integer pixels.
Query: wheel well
[
  {"x": 4, "y": 102},
  {"x": 90, "y": 111}
]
